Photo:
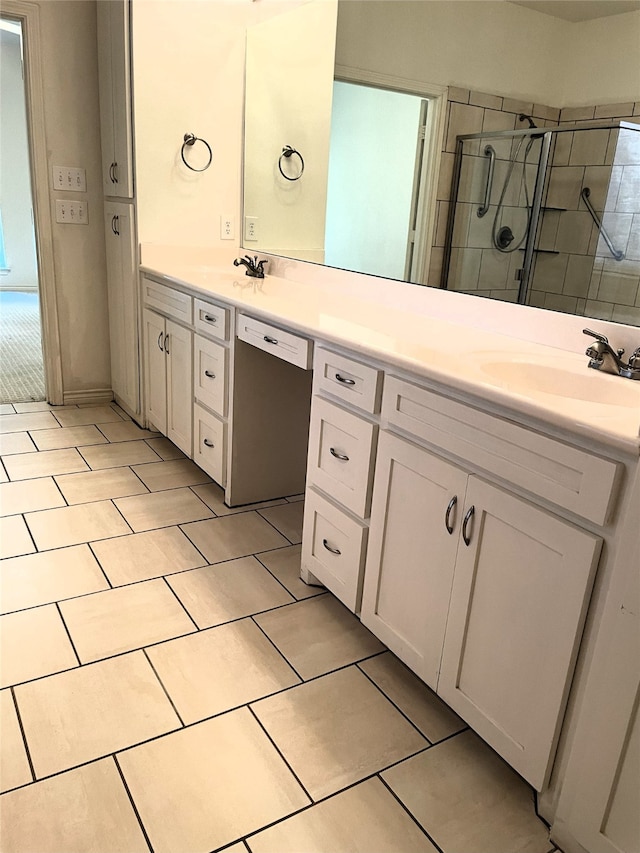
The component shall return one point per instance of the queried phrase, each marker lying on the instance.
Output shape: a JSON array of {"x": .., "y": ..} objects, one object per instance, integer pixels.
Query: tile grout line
[
  {"x": 166, "y": 692},
  {"x": 275, "y": 528},
  {"x": 24, "y": 738},
  {"x": 133, "y": 804},
  {"x": 282, "y": 655},
  {"x": 66, "y": 627},
  {"x": 409, "y": 813},
  {"x": 320, "y": 590},
  {"x": 179, "y": 600}
]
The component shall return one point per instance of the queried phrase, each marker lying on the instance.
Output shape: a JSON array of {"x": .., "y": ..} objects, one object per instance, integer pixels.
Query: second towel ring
[
  {"x": 288, "y": 152},
  {"x": 191, "y": 139}
]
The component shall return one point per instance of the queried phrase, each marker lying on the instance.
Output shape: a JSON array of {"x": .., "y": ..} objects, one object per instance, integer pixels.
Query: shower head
[{"x": 525, "y": 117}]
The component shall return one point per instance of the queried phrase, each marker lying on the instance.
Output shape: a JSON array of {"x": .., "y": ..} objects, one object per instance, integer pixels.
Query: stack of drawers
[{"x": 342, "y": 446}]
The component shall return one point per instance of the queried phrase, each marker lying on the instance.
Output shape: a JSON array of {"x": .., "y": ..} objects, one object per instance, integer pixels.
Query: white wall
[
  {"x": 15, "y": 180},
  {"x": 70, "y": 80}
]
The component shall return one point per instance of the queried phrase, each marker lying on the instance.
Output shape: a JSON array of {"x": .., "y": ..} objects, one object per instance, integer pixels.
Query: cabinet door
[
  {"x": 178, "y": 345},
  {"x": 123, "y": 304},
  {"x": 155, "y": 370},
  {"x": 520, "y": 593},
  {"x": 411, "y": 554}
]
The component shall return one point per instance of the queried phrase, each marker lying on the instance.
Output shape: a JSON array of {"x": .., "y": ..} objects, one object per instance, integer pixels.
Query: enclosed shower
[{"x": 548, "y": 217}]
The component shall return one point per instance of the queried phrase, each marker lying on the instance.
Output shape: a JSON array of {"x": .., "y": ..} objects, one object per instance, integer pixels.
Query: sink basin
[{"x": 524, "y": 377}]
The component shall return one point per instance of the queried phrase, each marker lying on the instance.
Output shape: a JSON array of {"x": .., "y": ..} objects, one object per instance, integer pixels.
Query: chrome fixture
[
  {"x": 287, "y": 152},
  {"x": 525, "y": 117},
  {"x": 489, "y": 152},
  {"x": 190, "y": 139},
  {"x": 617, "y": 253},
  {"x": 255, "y": 268},
  {"x": 601, "y": 355}
]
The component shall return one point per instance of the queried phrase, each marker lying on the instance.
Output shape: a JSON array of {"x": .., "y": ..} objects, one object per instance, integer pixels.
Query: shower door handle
[{"x": 484, "y": 207}]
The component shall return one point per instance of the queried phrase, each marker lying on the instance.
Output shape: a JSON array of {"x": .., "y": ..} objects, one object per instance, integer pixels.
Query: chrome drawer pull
[
  {"x": 452, "y": 503},
  {"x": 337, "y": 455},
  {"x": 270, "y": 340},
  {"x": 160, "y": 336},
  {"x": 210, "y": 319},
  {"x": 209, "y": 374},
  {"x": 330, "y": 549},
  {"x": 208, "y": 443},
  {"x": 166, "y": 343},
  {"x": 465, "y": 524},
  {"x": 344, "y": 380}
]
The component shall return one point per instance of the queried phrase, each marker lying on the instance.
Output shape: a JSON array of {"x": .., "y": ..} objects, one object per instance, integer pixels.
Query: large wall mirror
[{"x": 355, "y": 111}]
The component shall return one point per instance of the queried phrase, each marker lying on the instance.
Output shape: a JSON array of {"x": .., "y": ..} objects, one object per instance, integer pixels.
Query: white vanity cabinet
[{"x": 481, "y": 592}]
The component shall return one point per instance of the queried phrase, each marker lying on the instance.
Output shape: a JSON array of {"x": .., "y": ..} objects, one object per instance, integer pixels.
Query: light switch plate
[
  {"x": 72, "y": 212},
  {"x": 69, "y": 178}
]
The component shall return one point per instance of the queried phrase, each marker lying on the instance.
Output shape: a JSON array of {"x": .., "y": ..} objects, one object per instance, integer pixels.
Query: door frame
[
  {"x": 28, "y": 14},
  {"x": 436, "y": 94}
]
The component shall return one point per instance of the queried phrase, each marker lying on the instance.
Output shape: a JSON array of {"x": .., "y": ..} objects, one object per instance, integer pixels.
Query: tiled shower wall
[{"x": 580, "y": 277}]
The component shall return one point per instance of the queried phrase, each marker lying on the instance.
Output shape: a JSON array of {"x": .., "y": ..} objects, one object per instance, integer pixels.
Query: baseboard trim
[{"x": 99, "y": 396}]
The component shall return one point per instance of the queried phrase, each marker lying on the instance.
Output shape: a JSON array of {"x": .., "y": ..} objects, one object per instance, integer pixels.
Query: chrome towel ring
[
  {"x": 288, "y": 152},
  {"x": 191, "y": 139}
]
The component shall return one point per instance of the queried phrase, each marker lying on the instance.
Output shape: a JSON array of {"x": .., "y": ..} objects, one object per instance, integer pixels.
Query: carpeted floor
[{"x": 21, "y": 365}]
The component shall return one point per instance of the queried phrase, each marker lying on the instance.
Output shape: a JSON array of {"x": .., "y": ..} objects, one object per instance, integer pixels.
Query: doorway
[{"x": 22, "y": 378}]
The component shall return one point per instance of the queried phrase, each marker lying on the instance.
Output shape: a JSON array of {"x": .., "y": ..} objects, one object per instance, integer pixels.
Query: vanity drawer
[
  {"x": 211, "y": 319},
  {"x": 172, "y": 303},
  {"x": 333, "y": 549},
  {"x": 210, "y": 374},
  {"x": 285, "y": 345},
  {"x": 355, "y": 383},
  {"x": 209, "y": 444},
  {"x": 341, "y": 451},
  {"x": 567, "y": 476}
]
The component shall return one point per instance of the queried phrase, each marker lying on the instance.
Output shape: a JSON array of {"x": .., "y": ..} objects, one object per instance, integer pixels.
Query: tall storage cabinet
[{"x": 114, "y": 66}]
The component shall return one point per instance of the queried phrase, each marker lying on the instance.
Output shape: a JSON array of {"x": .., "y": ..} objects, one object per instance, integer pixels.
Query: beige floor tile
[
  {"x": 14, "y": 537},
  {"x": 318, "y": 635},
  {"x": 38, "y": 406},
  {"x": 234, "y": 536},
  {"x": 84, "y": 811},
  {"x": 33, "y": 643},
  {"x": 16, "y": 442},
  {"x": 467, "y": 798},
  {"x": 27, "y": 466},
  {"x": 428, "y": 712},
  {"x": 120, "y": 620},
  {"x": 224, "y": 772},
  {"x": 142, "y": 556},
  {"x": 213, "y": 496},
  {"x": 162, "y": 509},
  {"x": 287, "y": 519},
  {"x": 125, "y": 431},
  {"x": 31, "y": 421},
  {"x": 218, "y": 669},
  {"x": 56, "y": 528},
  {"x": 78, "y": 436},
  {"x": 87, "y": 415},
  {"x": 7, "y": 409},
  {"x": 337, "y": 730},
  {"x": 284, "y": 564},
  {"x": 363, "y": 819},
  {"x": 3, "y": 474},
  {"x": 295, "y": 498},
  {"x": 116, "y": 455},
  {"x": 174, "y": 474},
  {"x": 50, "y": 576},
  {"x": 29, "y": 495},
  {"x": 231, "y": 590},
  {"x": 99, "y": 485},
  {"x": 165, "y": 449},
  {"x": 14, "y": 764},
  {"x": 92, "y": 711}
]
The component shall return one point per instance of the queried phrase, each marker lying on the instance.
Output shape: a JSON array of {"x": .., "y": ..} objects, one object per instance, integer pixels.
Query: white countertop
[{"x": 550, "y": 384}]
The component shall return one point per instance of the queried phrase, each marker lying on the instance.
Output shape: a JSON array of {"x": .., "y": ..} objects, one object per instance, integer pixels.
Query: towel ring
[
  {"x": 287, "y": 152},
  {"x": 191, "y": 139}
]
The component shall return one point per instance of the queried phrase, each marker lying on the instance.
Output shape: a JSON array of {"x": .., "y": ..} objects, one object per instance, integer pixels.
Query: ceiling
[{"x": 580, "y": 10}]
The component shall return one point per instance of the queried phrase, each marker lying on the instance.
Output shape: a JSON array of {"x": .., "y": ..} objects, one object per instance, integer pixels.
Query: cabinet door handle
[
  {"x": 270, "y": 340},
  {"x": 166, "y": 343},
  {"x": 465, "y": 525},
  {"x": 208, "y": 443},
  {"x": 209, "y": 374},
  {"x": 210, "y": 318},
  {"x": 447, "y": 516},
  {"x": 331, "y": 550},
  {"x": 114, "y": 225},
  {"x": 337, "y": 455},
  {"x": 344, "y": 380},
  {"x": 115, "y": 173},
  {"x": 160, "y": 336}
]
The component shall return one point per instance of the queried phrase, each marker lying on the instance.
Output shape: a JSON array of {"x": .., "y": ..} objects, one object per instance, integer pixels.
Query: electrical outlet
[
  {"x": 251, "y": 228},
  {"x": 69, "y": 178},
  {"x": 227, "y": 228},
  {"x": 72, "y": 212}
]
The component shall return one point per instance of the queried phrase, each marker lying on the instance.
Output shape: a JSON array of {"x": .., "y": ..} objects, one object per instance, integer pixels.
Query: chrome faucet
[
  {"x": 255, "y": 268},
  {"x": 603, "y": 356}
]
